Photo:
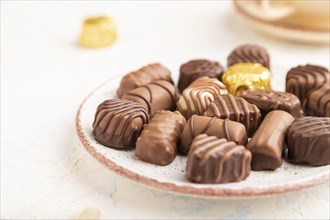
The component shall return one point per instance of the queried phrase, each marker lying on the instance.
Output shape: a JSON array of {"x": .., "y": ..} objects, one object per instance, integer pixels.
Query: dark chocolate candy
[
  {"x": 118, "y": 123},
  {"x": 269, "y": 100},
  {"x": 249, "y": 53},
  {"x": 158, "y": 140},
  {"x": 235, "y": 109},
  {"x": 308, "y": 141},
  {"x": 301, "y": 80},
  {"x": 231, "y": 130},
  {"x": 143, "y": 76},
  {"x": 317, "y": 102},
  {"x": 266, "y": 145},
  {"x": 215, "y": 160},
  {"x": 196, "y": 98},
  {"x": 158, "y": 95},
  {"x": 197, "y": 68}
]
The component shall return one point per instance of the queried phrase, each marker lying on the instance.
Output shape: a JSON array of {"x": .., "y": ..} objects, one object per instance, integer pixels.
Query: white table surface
[{"x": 45, "y": 74}]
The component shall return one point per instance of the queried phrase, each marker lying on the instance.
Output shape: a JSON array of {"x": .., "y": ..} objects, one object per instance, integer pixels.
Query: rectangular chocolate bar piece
[
  {"x": 266, "y": 145},
  {"x": 158, "y": 140}
]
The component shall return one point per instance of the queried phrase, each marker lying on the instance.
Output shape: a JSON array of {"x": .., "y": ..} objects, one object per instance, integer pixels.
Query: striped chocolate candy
[
  {"x": 317, "y": 102},
  {"x": 308, "y": 141},
  {"x": 217, "y": 160},
  {"x": 235, "y": 109},
  {"x": 302, "y": 79},
  {"x": 118, "y": 123}
]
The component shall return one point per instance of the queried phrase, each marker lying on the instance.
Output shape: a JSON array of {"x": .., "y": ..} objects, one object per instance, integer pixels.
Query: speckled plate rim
[{"x": 207, "y": 192}]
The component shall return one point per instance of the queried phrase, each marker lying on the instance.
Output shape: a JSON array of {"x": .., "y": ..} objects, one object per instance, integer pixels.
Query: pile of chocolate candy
[{"x": 217, "y": 112}]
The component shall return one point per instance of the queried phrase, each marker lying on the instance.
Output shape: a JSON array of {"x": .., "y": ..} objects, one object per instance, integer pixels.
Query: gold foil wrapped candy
[
  {"x": 98, "y": 32},
  {"x": 244, "y": 76}
]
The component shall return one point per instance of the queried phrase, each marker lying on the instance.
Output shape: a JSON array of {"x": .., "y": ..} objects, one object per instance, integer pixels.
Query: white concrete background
[{"x": 45, "y": 74}]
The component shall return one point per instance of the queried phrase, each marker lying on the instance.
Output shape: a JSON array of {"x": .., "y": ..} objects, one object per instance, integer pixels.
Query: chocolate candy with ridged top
[
  {"x": 301, "y": 80},
  {"x": 118, "y": 123},
  {"x": 143, "y": 76},
  {"x": 249, "y": 53},
  {"x": 317, "y": 102},
  {"x": 245, "y": 76},
  {"x": 158, "y": 95},
  {"x": 194, "y": 69},
  {"x": 231, "y": 130},
  {"x": 158, "y": 140},
  {"x": 217, "y": 160},
  {"x": 196, "y": 98},
  {"x": 269, "y": 100},
  {"x": 308, "y": 141},
  {"x": 235, "y": 109},
  {"x": 266, "y": 145}
]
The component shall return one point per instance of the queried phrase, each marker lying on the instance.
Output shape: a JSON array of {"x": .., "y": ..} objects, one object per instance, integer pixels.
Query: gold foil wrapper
[
  {"x": 98, "y": 32},
  {"x": 244, "y": 76}
]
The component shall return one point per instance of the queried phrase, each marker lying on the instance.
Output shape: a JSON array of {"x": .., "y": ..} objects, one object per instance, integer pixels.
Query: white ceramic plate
[{"x": 171, "y": 178}]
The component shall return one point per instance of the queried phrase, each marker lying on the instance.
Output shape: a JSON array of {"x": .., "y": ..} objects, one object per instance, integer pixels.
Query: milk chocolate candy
[
  {"x": 197, "y": 97},
  {"x": 302, "y": 79},
  {"x": 308, "y": 141},
  {"x": 245, "y": 76},
  {"x": 217, "y": 160},
  {"x": 143, "y": 76},
  {"x": 231, "y": 130},
  {"x": 266, "y": 145},
  {"x": 269, "y": 100},
  {"x": 118, "y": 123},
  {"x": 249, "y": 53},
  {"x": 235, "y": 109},
  {"x": 198, "y": 68},
  {"x": 157, "y": 143},
  {"x": 158, "y": 95},
  {"x": 317, "y": 102}
]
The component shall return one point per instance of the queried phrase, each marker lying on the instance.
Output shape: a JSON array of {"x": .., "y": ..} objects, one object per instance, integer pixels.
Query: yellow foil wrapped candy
[
  {"x": 244, "y": 76},
  {"x": 98, "y": 32}
]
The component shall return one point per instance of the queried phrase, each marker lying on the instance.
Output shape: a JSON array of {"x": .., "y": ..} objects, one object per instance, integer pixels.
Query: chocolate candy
[
  {"x": 118, "y": 123},
  {"x": 231, "y": 130},
  {"x": 308, "y": 141},
  {"x": 157, "y": 143},
  {"x": 266, "y": 145},
  {"x": 214, "y": 160},
  {"x": 98, "y": 32},
  {"x": 317, "y": 102},
  {"x": 244, "y": 76},
  {"x": 197, "y": 68},
  {"x": 197, "y": 97},
  {"x": 143, "y": 76},
  {"x": 269, "y": 100},
  {"x": 249, "y": 53},
  {"x": 302, "y": 79},
  {"x": 158, "y": 95},
  {"x": 235, "y": 109}
]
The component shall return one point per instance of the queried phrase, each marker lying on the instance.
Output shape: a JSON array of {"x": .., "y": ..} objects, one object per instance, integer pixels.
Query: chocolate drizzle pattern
[
  {"x": 249, "y": 53},
  {"x": 197, "y": 97},
  {"x": 301, "y": 80},
  {"x": 143, "y": 76},
  {"x": 232, "y": 131},
  {"x": 118, "y": 123},
  {"x": 317, "y": 102},
  {"x": 197, "y": 68},
  {"x": 217, "y": 160},
  {"x": 269, "y": 100},
  {"x": 158, "y": 140},
  {"x": 308, "y": 141},
  {"x": 235, "y": 109},
  {"x": 165, "y": 93}
]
